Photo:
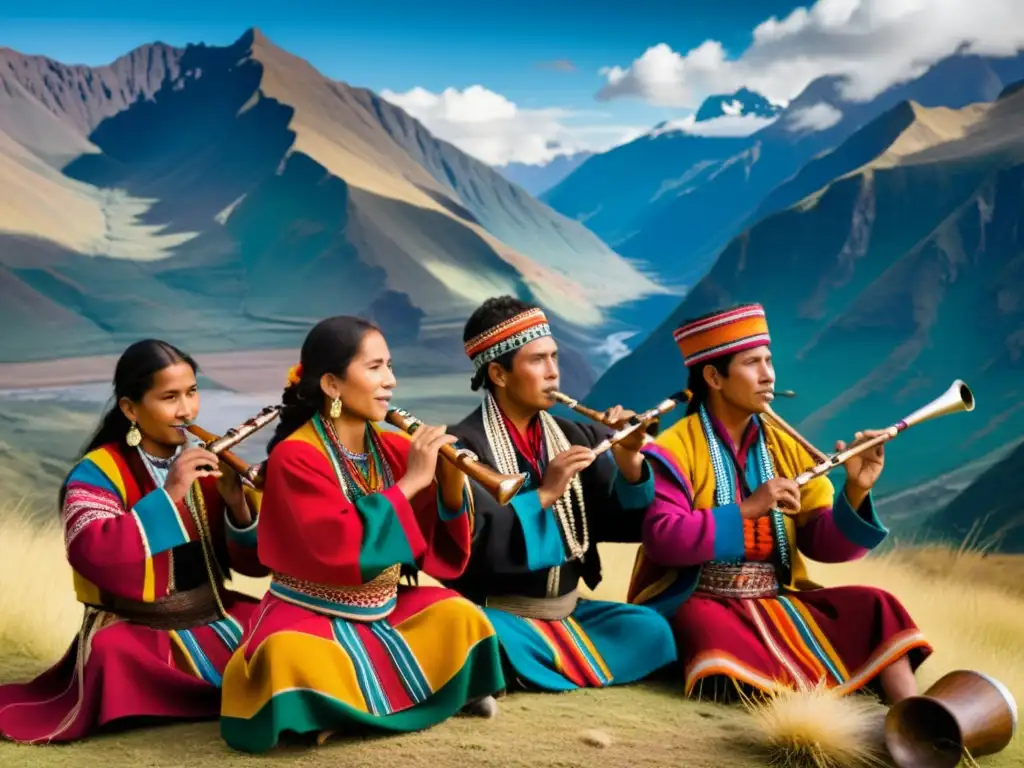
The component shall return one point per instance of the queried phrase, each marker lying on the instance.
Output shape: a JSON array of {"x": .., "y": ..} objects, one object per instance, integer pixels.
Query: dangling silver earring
[
  {"x": 336, "y": 408},
  {"x": 134, "y": 437}
]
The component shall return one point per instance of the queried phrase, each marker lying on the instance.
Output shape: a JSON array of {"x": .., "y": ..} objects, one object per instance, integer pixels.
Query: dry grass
[
  {"x": 820, "y": 729},
  {"x": 38, "y": 613},
  {"x": 970, "y": 606}
]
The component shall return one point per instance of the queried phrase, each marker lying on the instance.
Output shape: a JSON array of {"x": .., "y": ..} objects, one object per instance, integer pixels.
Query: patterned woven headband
[
  {"x": 507, "y": 336},
  {"x": 722, "y": 334}
]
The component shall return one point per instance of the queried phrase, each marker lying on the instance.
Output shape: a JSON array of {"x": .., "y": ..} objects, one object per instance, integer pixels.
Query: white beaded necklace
[{"x": 555, "y": 442}]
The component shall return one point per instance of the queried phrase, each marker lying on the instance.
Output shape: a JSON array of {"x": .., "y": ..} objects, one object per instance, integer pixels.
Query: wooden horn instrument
[
  {"x": 777, "y": 421},
  {"x": 501, "y": 487},
  {"x": 638, "y": 421},
  {"x": 957, "y": 398},
  {"x": 965, "y": 713},
  {"x": 682, "y": 397},
  {"x": 251, "y": 474}
]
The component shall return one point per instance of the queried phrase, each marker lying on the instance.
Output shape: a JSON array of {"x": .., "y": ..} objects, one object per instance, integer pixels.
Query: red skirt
[
  {"x": 843, "y": 636},
  {"x": 115, "y": 670}
]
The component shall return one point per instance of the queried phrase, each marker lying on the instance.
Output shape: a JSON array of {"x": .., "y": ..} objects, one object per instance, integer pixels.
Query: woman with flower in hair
[{"x": 337, "y": 643}]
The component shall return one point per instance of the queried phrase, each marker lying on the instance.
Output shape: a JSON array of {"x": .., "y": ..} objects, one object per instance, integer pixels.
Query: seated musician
[
  {"x": 726, "y": 566},
  {"x": 151, "y": 529},
  {"x": 347, "y": 506},
  {"x": 530, "y": 555}
]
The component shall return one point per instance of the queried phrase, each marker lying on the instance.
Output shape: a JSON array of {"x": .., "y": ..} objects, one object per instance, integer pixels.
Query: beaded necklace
[
  {"x": 158, "y": 469},
  {"x": 359, "y": 474},
  {"x": 725, "y": 492},
  {"x": 555, "y": 442}
]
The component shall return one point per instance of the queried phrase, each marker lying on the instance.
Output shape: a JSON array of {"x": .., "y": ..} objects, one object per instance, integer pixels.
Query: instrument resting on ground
[
  {"x": 963, "y": 713},
  {"x": 501, "y": 487}
]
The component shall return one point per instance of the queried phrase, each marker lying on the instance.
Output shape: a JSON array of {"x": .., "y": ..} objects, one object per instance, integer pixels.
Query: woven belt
[
  {"x": 749, "y": 580},
  {"x": 181, "y": 610},
  {"x": 544, "y": 608},
  {"x": 369, "y": 602}
]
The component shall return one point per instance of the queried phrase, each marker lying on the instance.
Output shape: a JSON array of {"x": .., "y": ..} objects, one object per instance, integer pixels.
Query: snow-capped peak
[{"x": 743, "y": 102}]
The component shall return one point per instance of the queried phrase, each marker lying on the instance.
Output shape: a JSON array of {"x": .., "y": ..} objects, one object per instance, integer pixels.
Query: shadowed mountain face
[
  {"x": 673, "y": 202},
  {"x": 612, "y": 193},
  {"x": 52, "y": 107},
  {"x": 232, "y": 196},
  {"x": 881, "y": 288},
  {"x": 989, "y": 510}
]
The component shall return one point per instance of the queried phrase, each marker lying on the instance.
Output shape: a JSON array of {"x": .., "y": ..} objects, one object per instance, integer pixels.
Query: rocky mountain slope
[
  {"x": 888, "y": 282},
  {"x": 229, "y": 197},
  {"x": 989, "y": 512},
  {"x": 672, "y": 202}
]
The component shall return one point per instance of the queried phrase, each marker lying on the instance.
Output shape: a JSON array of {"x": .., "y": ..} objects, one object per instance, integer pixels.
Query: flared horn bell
[
  {"x": 954, "y": 400},
  {"x": 963, "y": 713}
]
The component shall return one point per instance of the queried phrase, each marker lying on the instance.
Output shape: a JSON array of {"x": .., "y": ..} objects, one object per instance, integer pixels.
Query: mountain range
[
  {"x": 229, "y": 197},
  {"x": 671, "y": 201},
  {"x": 537, "y": 178},
  {"x": 899, "y": 268}
]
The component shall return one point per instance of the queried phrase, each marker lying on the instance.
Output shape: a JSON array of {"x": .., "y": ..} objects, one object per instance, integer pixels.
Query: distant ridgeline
[
  {"x": 673, "y": 199},
  {"x": 990, "y": 511},
  {"x": 896, "y": 275}
]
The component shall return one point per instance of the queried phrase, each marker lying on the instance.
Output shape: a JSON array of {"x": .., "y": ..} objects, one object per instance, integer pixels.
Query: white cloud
[
  {"x": 816, "y": 117},
  {"x": 495, "y": 130},
  {"x": 874, "y": 42},
  {"x": 727, "y": 125}
]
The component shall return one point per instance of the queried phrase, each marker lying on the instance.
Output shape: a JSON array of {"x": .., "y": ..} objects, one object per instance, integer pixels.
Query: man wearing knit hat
[{"x": 724, "y": 540}]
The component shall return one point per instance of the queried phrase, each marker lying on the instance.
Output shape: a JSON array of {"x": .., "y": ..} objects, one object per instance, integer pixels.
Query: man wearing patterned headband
[
  {"x": 529, "y": 556},
  {"x": 724, "y": 540}
]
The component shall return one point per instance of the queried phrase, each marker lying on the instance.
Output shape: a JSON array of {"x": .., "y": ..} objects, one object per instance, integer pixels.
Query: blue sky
[
  {"x": 400, "y": 45},
  {"x": 520, "y": 105}
]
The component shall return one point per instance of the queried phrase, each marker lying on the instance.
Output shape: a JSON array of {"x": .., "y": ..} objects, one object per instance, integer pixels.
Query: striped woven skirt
[
  {"x": 842, "y": 637},
  {"x": 599, "y": 644},
  {"x": 304, "y": 672},
  {"x": 116, "y": 670}
]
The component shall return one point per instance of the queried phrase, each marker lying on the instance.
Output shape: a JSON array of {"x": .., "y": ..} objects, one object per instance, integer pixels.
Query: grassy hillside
[{"x": 969, "y": 606}]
